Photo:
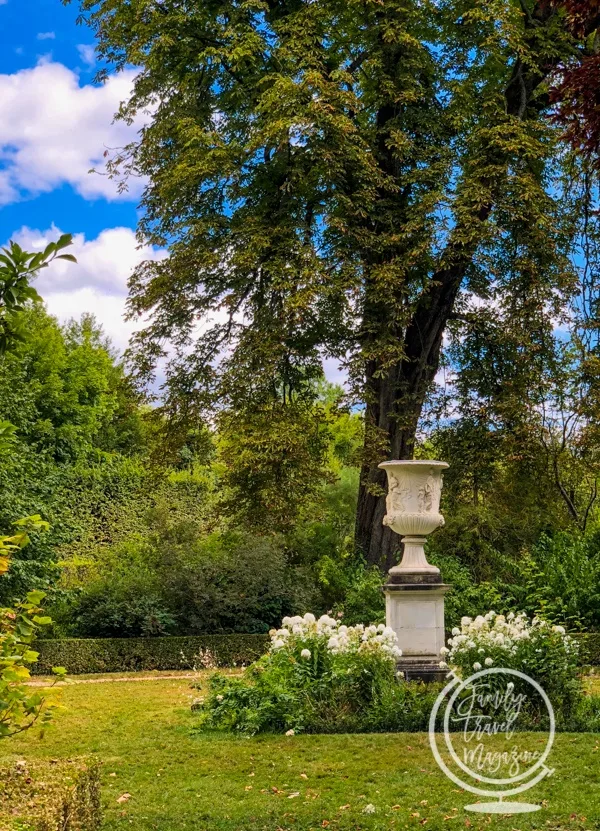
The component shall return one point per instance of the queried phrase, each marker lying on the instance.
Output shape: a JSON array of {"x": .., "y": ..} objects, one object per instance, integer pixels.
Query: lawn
[{"x": 182, "y": 779}]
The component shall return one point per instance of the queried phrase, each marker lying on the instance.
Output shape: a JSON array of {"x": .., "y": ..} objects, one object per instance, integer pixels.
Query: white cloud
[
  {"x": 97, "y": 284},
  {"x": 53, "y": 131},
  {"x": 87, "y": 54},
  {"x": 46, "y": 35}
]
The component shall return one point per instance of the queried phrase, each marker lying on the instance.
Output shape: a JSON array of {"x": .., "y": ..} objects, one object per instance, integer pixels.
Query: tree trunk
[
  {"x": 395, "y": 400},
  {"x": 395, "y": 407}
]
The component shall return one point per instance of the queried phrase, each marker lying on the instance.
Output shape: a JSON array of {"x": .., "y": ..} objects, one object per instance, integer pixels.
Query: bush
[
  {"x": 177, "y": 582},
  {"x": 107, "y": 611},
  {"x": 589, "y": 648},
  {"x": 134, "y": 654},
  {"x": 561, "y": 580},
  {"x": 56, "y": 797},
  {"x": 542, "y": 651},
  {"x": 318, "y": 676}
]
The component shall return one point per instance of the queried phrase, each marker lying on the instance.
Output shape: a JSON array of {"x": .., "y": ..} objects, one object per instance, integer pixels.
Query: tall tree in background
[{"x": 342, "y": 179}]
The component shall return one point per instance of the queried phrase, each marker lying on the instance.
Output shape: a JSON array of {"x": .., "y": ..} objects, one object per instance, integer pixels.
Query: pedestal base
[
  {"x": 415, "y": 611},
  {"x": 420, "y": 670}
]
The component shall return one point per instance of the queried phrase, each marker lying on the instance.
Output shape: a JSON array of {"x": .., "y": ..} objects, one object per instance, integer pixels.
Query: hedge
[
  {"x": 91, "y": 655},
  {"x": 57, "y": 796}
]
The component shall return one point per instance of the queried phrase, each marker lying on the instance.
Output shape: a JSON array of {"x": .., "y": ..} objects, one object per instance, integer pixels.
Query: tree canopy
[{"x": 345, "y": 179}]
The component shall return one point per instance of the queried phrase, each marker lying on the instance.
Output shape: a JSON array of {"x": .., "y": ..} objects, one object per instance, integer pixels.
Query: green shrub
[
  {"x": 133, "y": 654},
  {"x": 318, "y": 676},
  {"x": 561, "y": 580},
  {"x": 120, "y": 611},
  {"x": 542, "y": 651},
  {"x": 51, "y": 797},
  {"x": 589, "y": 648}
]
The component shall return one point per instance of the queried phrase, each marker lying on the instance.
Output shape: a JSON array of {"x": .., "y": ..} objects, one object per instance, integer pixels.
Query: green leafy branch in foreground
[
  {"x": 17, "y": 267},
  {"x": 20, "y": 705}
]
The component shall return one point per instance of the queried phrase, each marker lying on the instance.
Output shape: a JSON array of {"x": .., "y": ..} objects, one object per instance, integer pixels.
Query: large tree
[{"x": 341, "y": 178}]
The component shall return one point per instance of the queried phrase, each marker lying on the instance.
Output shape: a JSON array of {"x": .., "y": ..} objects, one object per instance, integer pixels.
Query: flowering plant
[
  {"x": 308, "y": 635},
  {"x": 317, "y": 675},
  {"x": 542, "y": 651}
]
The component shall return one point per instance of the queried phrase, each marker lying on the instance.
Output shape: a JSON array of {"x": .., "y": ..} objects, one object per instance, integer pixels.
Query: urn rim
[{"x": 414, "y": 463}]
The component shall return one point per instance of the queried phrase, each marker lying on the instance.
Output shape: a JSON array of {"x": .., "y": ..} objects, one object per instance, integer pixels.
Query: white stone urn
[{"x": 413, "y": 510}]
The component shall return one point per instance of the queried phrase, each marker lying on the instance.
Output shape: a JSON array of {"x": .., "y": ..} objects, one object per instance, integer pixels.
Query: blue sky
[{"x": 56, "y": 124}]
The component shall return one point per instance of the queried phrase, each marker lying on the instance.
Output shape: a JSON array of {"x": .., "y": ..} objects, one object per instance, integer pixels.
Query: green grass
[{"x": 181, "y": 779}]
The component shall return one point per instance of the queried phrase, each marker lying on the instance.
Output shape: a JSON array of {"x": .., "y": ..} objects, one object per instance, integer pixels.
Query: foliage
[
  {"x": 589, "y": 648},
  {"x": 51, "y": 797},
  {"x": 274, "y": 457},
  {"x": 561, "y": 581},
  {"x": 542, "y": 651},
  {"x": 89, "y": 655},
  {"x": 17, "y": 268},
  {"x": 319, "y": 676},
  {"x": 75, "y": 419},
  {"x": 21, "y": 706}
]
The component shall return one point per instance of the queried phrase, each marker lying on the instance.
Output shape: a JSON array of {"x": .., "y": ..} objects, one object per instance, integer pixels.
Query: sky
[{"x": 55, "y": 125}]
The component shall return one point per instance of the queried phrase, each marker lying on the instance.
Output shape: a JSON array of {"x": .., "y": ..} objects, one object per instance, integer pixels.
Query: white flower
[
  {"x": 488, "y": 662},
  {"x": 510, "y": 686},
  {"x": 278, "y": 644},
  {"x": 305, "y": 653},
  {"x": 456, "y": 631},
  {"x": 369, "y": 809},
  {"x": 333, "y": 642},
  {"x": 560, "y": 629},
  {"x": 290, "y": 733},
  {"x": 443, "y": 665},
  {"x": 444, "y": 650},
  {"x": 476, "y": 666},
  {"x": 219, "y": 698},
  {"x": 465, "y": 621},
  {"x": 309, "y": 618}
]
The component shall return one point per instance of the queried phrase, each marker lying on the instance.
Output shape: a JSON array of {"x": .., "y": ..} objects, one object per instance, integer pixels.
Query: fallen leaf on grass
[
  {"x": 125, "y": 797},
  {"x": 303, "y": 776},
  {"x": 294, "y": 795},
  {"x": 325, "y": 823}
]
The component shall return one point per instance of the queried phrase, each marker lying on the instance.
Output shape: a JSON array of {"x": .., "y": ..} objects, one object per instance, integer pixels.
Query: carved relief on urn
[{"x": 413, "y": 501}]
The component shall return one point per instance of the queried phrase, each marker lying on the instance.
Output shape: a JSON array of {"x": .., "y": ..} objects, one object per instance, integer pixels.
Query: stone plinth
[{"x": 415, "y": 611}]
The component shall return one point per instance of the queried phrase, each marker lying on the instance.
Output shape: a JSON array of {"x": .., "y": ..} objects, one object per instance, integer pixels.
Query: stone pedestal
[{"x": 415, "y": 611}]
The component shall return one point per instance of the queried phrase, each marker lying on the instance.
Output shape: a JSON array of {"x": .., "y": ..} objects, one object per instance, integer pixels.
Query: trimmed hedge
[
  {"x": 91, "y": 655},
  {"x": 59, "y": 796},
  {"x": 589, "y": 649}
]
